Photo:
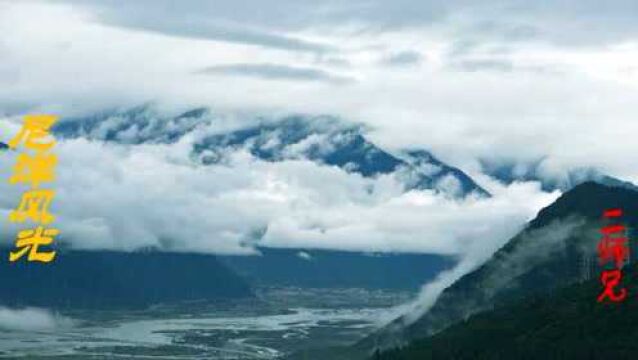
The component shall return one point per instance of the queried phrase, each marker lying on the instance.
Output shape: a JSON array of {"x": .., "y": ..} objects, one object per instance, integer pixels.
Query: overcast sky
[
  {"x": 517, "y": 80},
  {"x": 521, "y": 79}
]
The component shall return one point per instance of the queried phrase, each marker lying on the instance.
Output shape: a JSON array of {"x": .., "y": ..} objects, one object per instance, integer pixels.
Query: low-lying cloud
[
  {"x": 32, "y": 319},
  {"x": 533, "y": 248},
  {"x": 125, "y": 197}
]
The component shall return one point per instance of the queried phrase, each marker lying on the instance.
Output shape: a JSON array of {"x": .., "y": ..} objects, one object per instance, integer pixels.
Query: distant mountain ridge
[
  {"x": 321, "y": 139},
  {"x": 137, "y": 125},
  {"x": 312, "y": 268},
  {"x": 533, "y": 171},
  {"x": 110, "y": 279}
]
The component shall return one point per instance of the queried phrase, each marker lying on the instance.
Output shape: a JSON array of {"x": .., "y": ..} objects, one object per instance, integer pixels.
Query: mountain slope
[
  {"x": 337, "y": 269},
  {"x": 329, "y": 141},
  {"x": 549, "y": 180},
  {"x": 108, "y": 279},
  {"x": 556, "y": 249},
  {"x": 322, "y": 139},
  {"x": 566, "y": 324},
  {"x": 138, "y": 125}
]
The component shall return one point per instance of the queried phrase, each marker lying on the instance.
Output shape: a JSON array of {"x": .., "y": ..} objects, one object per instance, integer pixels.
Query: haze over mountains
[
  {"x": 296, "y": 181},
  {"x": 565, "y": 324},
  {"x": 322, "y": 139},
  {"x": 509, "y": 172}
]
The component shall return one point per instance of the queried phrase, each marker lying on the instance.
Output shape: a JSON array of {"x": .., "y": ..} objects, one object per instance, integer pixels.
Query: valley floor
[{"x": 278, "y": 322}]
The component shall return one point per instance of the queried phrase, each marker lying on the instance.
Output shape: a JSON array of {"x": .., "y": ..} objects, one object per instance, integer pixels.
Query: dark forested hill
[
  {"x": 107, "y": 279},
  {"x": 566, "y": 324},
  {"x": 556, "y": 249}
]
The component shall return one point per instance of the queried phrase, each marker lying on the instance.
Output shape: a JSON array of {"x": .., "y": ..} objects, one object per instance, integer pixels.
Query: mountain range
[
  {"x": 325, "y": 140},
  {"x": 511, "y": 171},
  {"x": 314, "y": 268}
]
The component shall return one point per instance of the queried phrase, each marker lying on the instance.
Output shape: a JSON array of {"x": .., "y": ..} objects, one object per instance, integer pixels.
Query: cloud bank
[
  {"x": 122, "y": 196},
  {"x": 31, "y": 319}
]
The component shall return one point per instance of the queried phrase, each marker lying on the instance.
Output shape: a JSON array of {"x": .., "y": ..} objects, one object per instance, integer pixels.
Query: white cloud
[
  {"x": 449, "y": 184},
  {"x": 535, "y": 247},
  {"x": 31, "y": 319},
  {"x": 126, "y": 197},
  {"x": 559, "y": 101}
]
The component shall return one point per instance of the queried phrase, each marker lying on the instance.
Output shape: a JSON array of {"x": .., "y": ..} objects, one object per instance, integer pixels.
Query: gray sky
[{"x": 515, "y": 79}]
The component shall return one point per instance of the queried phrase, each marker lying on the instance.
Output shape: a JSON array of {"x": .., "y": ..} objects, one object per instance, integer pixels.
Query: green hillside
[
  {"x": 566, "y": 324},
  {"x": 556, "y": 249}
]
